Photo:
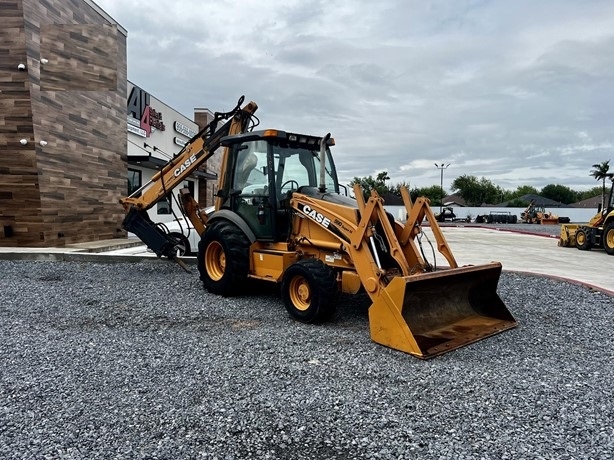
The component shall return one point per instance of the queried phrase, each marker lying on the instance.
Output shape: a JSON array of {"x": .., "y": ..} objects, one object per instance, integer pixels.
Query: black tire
[
  {"x": 183, "y": 242},
  {"x": 223, "y": 258},
  {"x": 608, "y": 238},
  {"x": 308, "y": 289},
  {"x": 583, "y": 240}
]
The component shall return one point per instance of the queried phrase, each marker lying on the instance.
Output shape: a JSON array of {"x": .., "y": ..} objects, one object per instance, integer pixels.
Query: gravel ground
[{"x": 136, "y": 360}]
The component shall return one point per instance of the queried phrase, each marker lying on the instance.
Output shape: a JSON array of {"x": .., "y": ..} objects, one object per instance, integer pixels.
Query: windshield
[
  {"x": 298, "y": 167},
  {"x": 264, "y": 167}
]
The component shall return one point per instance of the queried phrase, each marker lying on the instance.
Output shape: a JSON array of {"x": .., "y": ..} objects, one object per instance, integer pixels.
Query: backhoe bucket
[{"x": 432, "y": 313}]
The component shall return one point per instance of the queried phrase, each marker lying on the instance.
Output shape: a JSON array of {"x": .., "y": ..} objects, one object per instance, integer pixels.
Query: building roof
[
  {"x": 539, "y": 200},
  {"x": 593, "y": 202},
  {"x": 454, "y": 200}
]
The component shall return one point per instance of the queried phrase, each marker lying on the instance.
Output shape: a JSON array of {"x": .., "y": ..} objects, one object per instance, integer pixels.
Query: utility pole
[{"x": 441, "y": 168}]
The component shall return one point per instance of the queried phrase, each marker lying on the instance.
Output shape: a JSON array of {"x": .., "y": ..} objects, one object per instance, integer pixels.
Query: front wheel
[
  {"x": 308, "y": 289},
  {"x": 608, "y": 238},
  {"x": 223, "y": 258},
  {"x": 583, "y": 240}
]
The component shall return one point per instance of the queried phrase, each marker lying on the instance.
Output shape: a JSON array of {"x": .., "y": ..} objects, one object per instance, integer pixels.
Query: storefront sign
[
  {"x": 136, "y": 130},
  {"x": 141, "y": 114},
  {"x": 183, "y": 129}
]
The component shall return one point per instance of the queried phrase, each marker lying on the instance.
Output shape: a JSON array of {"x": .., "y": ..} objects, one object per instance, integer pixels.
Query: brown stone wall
[
  {"x": 20, "y": 219},
  {"x": 69, "y": 188}
]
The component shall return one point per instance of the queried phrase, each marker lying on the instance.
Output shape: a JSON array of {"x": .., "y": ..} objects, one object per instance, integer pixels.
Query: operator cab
[{"x": 264, "y": 169}]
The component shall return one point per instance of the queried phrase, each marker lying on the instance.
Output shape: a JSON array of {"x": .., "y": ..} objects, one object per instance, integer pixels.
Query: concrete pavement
[
  {"x": 529, "y": 254},
  {"x": 470, "y": 245}
]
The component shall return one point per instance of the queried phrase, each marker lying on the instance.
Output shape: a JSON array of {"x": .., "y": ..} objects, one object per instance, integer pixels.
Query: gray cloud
[{"x": 518, "y": 92}]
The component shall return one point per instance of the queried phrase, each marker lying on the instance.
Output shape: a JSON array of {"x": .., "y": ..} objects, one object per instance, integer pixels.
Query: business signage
[
  {"x": 136, "y": 130},
  {"x": 183, "y": 129},
  {"x": 142, "y": 118}
]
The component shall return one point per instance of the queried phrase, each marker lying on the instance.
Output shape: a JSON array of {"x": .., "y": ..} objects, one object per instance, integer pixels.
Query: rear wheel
[
  {"x": 308, "y": 289},
  {"x": 582, "y": 239},
  {"x": 608, "y": 238},
  {"x": 223, "y": 258}
]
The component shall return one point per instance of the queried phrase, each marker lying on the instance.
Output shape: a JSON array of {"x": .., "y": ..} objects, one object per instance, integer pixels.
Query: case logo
[
  {"x": 191, "y": 160},
  {"x": 314, "y": 215}
]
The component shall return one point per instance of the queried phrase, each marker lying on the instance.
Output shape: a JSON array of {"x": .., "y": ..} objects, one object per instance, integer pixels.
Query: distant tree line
[{"x": 477, "y": 192}]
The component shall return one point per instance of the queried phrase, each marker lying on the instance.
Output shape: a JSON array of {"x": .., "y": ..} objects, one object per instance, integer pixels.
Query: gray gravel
[{"x": 138, "y": 361}]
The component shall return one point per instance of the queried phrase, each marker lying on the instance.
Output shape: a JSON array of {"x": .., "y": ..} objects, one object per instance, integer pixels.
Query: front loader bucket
[
  {"x": 432, "y": 313},
  {"x": 568, "y": 235}
]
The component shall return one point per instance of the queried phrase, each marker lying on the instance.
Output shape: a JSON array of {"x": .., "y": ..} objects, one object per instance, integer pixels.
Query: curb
[{"x": 86, "y": 257}]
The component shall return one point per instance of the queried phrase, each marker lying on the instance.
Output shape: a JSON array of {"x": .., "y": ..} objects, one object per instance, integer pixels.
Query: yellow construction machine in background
[
  {"x": 598, "y": 233},
  {"x": 536, "y": 214},
  {"x": 280, "y": 218}
]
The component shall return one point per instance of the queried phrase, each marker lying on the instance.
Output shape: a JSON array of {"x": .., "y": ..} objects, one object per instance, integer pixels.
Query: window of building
[
  {"x": 164, "y": 206},
  {"x": 189, "y": 184},
  {"x": 135, "y": 178}
]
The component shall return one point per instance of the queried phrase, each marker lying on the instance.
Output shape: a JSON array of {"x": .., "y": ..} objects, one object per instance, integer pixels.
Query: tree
[
  {"x": 476, "y": 192},
  {"x": 559, "y": 193},
  {"x": 369, "y": 183},
  {"x": 601, "y": 173},
  {"x": 395, "y": 189},
  {"x": 525, "y": 190},
  {"x": 585, "y": 195},
  {"x": 433, "y": 193}
]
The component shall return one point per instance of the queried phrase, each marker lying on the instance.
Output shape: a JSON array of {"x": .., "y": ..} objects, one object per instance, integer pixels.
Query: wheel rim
[
  {"x": 609, "y": 238},
  {"x": 300, "y": 293},
  {"x": 581, "y": 238},
  {"x": 215, "y": 261}
]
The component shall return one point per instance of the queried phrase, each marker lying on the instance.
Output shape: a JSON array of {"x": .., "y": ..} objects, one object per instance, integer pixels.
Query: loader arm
[
  {"x": 415, "y": 309},
  {"x": 196, "y": 151},
  {"x": 360, "y": 241},
  {"x": 416, "y": 213}
]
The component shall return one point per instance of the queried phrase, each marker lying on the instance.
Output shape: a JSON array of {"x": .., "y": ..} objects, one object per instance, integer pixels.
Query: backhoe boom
[{"x": 196, "y": 151}]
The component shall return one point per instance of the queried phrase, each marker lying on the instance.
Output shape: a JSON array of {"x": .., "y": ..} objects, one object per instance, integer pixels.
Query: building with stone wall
[{"x": 63, "y": 88}]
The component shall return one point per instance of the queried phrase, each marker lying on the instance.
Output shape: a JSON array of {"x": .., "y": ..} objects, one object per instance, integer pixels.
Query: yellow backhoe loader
[
  {"x": 537, "y": 214},
  {"x": 598, "y": 233},
  {"x": 279, "y": 217}
]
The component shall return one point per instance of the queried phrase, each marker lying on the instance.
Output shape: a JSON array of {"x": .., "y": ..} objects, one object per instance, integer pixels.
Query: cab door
[{"x": 250, "y": 188}]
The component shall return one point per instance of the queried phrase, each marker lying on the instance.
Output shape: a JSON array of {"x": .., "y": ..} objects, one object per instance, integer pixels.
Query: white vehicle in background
[{"x": 183, "y": 231}]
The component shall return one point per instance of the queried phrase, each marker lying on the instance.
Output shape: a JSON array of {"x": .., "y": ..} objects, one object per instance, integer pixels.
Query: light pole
[{"x": 441, "y": 167}]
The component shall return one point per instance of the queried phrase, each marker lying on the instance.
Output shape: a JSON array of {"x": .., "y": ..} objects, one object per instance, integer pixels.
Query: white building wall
[{"x": 156, "y": 133}]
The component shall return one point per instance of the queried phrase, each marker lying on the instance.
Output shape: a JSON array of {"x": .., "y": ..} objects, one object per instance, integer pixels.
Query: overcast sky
[{"x": 520, "y": 92}]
